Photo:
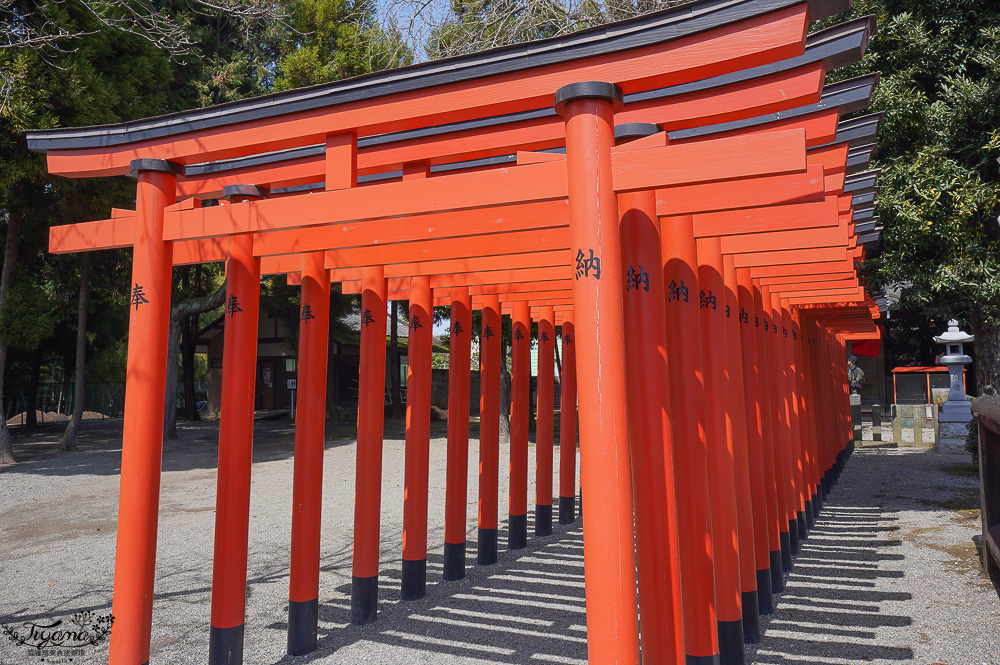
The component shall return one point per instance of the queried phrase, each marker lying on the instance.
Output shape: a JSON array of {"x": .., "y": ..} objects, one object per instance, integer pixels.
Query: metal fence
[{"x": 55, "y": 401}]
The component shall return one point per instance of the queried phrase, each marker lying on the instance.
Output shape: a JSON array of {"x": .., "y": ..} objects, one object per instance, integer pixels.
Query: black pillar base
[
  {"x": 567, "y": 509},
  {"x": 364, "y": 600},
  {"x": 730, "y": 642},
  {"x": 793, "y": 537},
  {"x": 786, "y": 551},
  {"x": 517, "y": 538},
  {"x": 543, "y": 519},
  {"x": 302, "y": 621},
  {"x": 751, "y": 617},
  {"x": 803, "y": 526},
  {"x": 777, "y": 580},
  {"x": 701, "y": 660},
  {"x": 454, "y": 561},
  {"x": 765, "y": 599},
  {"x": 810, "y": 515},
  {"x": 225, "y": 646},
  {"x": 486, "y": 552},
  {"x": 413, "y": 585},
  {"x": 817, "y": 505}
]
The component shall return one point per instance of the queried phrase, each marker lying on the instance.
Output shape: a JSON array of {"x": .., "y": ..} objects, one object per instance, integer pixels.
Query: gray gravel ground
[
  {"x": 889, "y": 575},
  {"x": 57, "y": 536}
]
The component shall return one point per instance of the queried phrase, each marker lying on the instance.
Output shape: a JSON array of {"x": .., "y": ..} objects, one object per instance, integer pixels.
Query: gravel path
[
  {"x": 889, "y": 575},
  {"x": 57, "y": 535}
]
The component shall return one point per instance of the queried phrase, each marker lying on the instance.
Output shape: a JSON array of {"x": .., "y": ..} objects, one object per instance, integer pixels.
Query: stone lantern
[{"x": 958, "y": 408}]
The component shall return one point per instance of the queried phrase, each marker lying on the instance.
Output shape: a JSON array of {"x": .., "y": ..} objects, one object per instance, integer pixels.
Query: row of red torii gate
[{"x": 678, "y": 196}]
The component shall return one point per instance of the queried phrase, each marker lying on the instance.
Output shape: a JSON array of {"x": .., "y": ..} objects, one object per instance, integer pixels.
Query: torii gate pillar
[
  {"x": 418, "y": 427},
  {"x": 371, "y": 412},
  {"x": 489, "y": 431},
  {"x": 142, "y": 439},
  {"x": 310, "y": 426},
  {"x": 232, "y": 504},
  {"x": 608, "y": 541}
]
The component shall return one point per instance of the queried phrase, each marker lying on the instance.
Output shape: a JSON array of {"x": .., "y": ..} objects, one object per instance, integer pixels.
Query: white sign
[{"x": 290, "y": 384}]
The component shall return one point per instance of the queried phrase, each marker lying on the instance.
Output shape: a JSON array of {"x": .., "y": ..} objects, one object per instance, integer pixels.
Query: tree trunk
[
  {"x": 189, "y": 330},
  {"x": 504, "y": 394},
  {"x": 986, "y": 328},
  {"x": 395, "y": 380},
  {"x": 31, "y": 406},
  {"x": 68, "y": 441},
  {"x": 178, "y": 314},
  {"x": 9, "y": 263}
]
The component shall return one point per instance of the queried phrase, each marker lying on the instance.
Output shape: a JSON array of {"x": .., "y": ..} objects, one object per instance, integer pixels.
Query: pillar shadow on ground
[
  {"x": 527, "y": 608},
  {"x": 835, "y": 607}
]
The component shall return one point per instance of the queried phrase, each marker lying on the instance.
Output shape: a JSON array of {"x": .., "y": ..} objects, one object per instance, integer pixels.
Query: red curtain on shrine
[{"x": 868, "y": 347}]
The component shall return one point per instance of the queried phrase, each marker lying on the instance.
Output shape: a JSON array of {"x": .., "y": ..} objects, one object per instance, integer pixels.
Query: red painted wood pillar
[
  {"x": 772, "y": 403},
  {"x": 418, "y": 428},
  {"x": 798, "y": 462},
  {"x": 753, "y": 554},
  {"x": 310, "y": 433},
  {"x": 520, "y": 354},
  {"x": 651, "y": 444},
  {"x": 809, "y": 419},
  {"x": 232, "y": 508},
  {"x": 457, "y": 472},
  {"x": 142, "y": 438},
  {"x": 489, "y": 430},
  {"x": 371, "y": 413},
  {"x": 721, "y": 453},
  {"x": 780, "y": 366},
  {"x": 691, "y": 455},
  {"x": 413, "y": 583},
  {"x": 757, "y": 384},
  {"x": 567, "y": 424},
  {"x": 608, "y": 541},
  {"x": 544, "y": 422}
]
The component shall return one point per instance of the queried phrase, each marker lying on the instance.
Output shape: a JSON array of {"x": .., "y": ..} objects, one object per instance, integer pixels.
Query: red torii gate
[{"x": 184, "y": 224}]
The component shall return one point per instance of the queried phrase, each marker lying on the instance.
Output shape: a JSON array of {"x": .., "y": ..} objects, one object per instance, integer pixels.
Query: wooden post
[
  {"x": 517, "y": 536},
  {"x": 142, "y": 438},
  {"x": 371, "y": 414},
  {"x": 721, "y": 456},
  {"x": 567, "y": 424},
  {"x": 609, "y": 544},
  {"x": 543, "y": 422},
  {"x": 310, "y": 431},
  {"x": 691, "y": 455},
  {"x": 651, "y": 444},
  {"x": 418, "y": 424},
  {"x": 753, "y": 555},
  {"x": 457, "y": 472},
  {"x": 489, "y": 430}
]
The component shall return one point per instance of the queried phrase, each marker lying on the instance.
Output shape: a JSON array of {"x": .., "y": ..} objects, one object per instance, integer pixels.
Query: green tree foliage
[
  {"x": 335, "y": 39},
  {"x": 939, "y": 187},
  {"x": 82, "y": 62}
]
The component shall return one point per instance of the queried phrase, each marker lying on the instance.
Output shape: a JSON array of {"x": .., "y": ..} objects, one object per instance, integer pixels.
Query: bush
[{"x": 972, "y": 441}]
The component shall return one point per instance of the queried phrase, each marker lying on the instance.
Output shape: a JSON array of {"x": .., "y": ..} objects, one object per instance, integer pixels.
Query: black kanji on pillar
[
  {"x": 233, "y": 306},
  {"x": 138, "y": 297}
]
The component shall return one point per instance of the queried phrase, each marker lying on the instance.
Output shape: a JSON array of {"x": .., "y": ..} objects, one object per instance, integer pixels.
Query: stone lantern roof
[{"x": 954, "y": 335}]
